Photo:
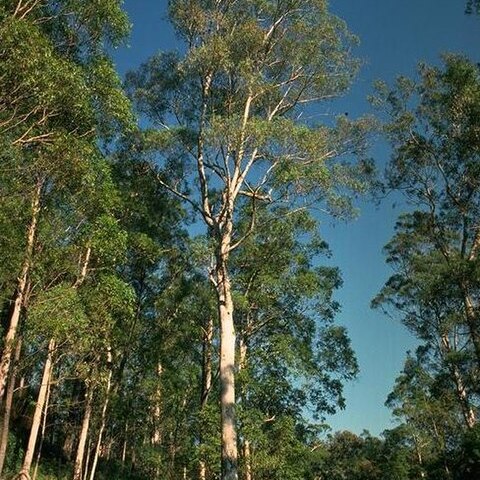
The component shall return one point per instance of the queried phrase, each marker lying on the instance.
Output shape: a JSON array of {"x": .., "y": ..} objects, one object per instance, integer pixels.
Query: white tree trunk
[
  {"x": 78, "y": 467},
  {"x": 39, "y": 407},
  {"x": 103, "y": 418},
  {"x": 207, "y": 377},
  {"x": 20, "y": 292},
  {"x": 227, "y": 370},
  {"x": 7, "y": 407}
]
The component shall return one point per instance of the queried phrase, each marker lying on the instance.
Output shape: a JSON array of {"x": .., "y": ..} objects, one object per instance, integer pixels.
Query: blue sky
[{"x": 394, "y": 36}]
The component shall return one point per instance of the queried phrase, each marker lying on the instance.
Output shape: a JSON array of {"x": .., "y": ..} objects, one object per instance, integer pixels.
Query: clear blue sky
[{"x": 395, "y": 35}]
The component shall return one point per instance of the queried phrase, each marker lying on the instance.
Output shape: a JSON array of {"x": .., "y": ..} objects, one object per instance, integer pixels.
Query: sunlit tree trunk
[
  {"x": 472, "y": 322},
  {"x": 157, "y": 409},
  {"x": 44, "y": 428},
  {"x": 78, "y": 467},
  {"x": 103, "y": 417},
  {"x": 246, "y": 449},
  {"x": 7, "y": 406},
  {"x": 207, "y": 377},
  {"x": 14, "y": 319},
  {"x": 227, "y": 363},
  {"x": 124, "y": 447},
  {"x": 39, "y": 408},
  {"x": 461, "y": 391}
]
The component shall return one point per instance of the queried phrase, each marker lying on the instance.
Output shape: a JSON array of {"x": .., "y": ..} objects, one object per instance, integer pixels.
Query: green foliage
[
  {"x": 58, "y": 312},
  {"x": 433, "y": 126}
]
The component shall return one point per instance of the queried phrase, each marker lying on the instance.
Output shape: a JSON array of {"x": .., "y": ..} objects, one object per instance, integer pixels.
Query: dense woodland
[{"x": 166, "y": 305}]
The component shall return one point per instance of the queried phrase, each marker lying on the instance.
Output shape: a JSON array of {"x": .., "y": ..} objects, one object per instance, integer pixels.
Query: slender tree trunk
[
  {"x": 7, "y": 406},
  {"x": 44, "y": 427},
  {"x": 467, "y": 410},
  {"x": 207, "y": 377},
  {"x": 419, "y": 456},
  {"x": 472, "y": 322},
  {"x": 37, "y": 416},
  {"x": 124, "y": 448},
  {"x": 248, "y": 460},
  {"x": 103, "y": 417},
  {"x": 227, "y": 365},
  {"x": 207, "y": 370},
  {"x": 242, "y": 364},
  {"x": 461, "y": 391},
  {"x": 87, "y": 460},
  {"x": 78, "y": 467},
  {"x": 20, "y": 291},
  {"x": 157, "y": 409}
]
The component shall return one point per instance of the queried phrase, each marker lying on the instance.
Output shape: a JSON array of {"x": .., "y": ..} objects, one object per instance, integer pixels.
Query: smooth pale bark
[
  {"x": 124, "y": 447},
  {"x": 472, "y": 322},
  {"x": 461, "y": 391},
  {"x": 14, "y": 319},
  {"x": 248, "y": 459},
  {"x": 242, "y": 363},
  {"x": 87, "y": 460},
  {"x": 469, "y": 306},
  {"x": 103, "y": 417},
  {"x": 207, "y": 370},
  {"x": 44, "y": 428},
  {"x": 78, "y": 467},
  {"x": 7, "y": 406},
  {"x": 157, "y": 409},
  {"x": 419, "y": 456},
  {"x": 207, "y": 378},
  {"x": 39, "y": 407},
  {"x": 227, "y": 367}
]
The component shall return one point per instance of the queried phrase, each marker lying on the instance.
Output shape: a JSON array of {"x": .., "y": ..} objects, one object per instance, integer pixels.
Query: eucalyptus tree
[
  {"x": 292, "y": 357},
  {"x": 226, "y": 118},
  {"x": 472, "y": 6},
  {"x": 433, "y": 126},
  {"x": 432, "y": 419},
  {"x": 60, "y": 96}
]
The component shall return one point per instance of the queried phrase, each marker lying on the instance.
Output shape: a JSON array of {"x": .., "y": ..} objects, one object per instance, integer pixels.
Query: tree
[
  {"x": 472, "y": 6},
  {"x": 226, "y": 125},
  {"x": 433, "y": 125},
  {"x": 58, "y": 90},
  {"x": 434, "y": 134}
]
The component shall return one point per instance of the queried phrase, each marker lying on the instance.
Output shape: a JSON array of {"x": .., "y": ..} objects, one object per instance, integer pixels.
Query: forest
[{"x": 168, "y": 303}]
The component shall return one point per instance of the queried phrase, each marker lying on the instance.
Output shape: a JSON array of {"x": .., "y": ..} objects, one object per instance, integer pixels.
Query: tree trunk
[
  {"x": 37, "y": 416},
  {"x": 467, "y": 410},
  {"x": 207, "y": 372},
  {"x": 472, "y": 322},
  {"x": 242, "y": 364},
  {"x": 247, "y": 459},
  {"x": 207, "y": 377},
  {"x": 461, "y": 391},
  {"x": 419, "y": 456},
  {"x": 227, "y": 366},
  {"x": 157, "y": 409},
  {"x": 78, "y": 468},
  {"x": 20, "y": 291},
  {"x": 103, "y": 415},
  {"x": 7, "y": 407},
  {"x": 124, "y": 447},
  {"x": 87, "y": 460},
  {"x": 44, "y": 428}
]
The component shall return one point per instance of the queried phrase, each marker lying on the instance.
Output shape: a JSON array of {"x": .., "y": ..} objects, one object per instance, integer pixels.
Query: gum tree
[{"x": 226, "y": 117}]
